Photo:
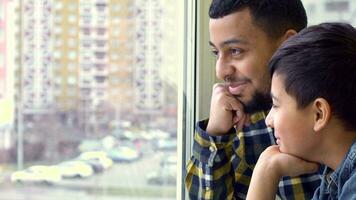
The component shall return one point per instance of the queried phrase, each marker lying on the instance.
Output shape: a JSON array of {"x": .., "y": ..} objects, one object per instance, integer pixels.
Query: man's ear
[
  {"x": 289, "y": 33},
  {"x": 322, "y": 113}
]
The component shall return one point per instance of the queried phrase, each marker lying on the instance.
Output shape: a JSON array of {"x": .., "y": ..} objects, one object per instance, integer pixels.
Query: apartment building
[{"x": 97, "y": 61}]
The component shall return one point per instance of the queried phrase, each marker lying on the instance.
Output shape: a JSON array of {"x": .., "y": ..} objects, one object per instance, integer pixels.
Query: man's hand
[{"x": 225, "y": 111}]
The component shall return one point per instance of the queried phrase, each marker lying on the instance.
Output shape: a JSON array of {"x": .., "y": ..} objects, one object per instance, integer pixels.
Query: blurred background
[
  {"x": 89, "y": 95},
  {"x": 88, "y": 98}
]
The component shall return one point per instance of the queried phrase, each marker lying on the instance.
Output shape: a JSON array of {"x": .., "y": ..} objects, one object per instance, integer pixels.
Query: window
[
  {"x": 83, "y": 129},
  {"x": 330, "y": 11},
  {"x": 1, "y": 10},
  {"x": 57, "y": 54},
  {"x": 72, "y": 42},
  {"x": 72, "y": 19},
  {"x": 72, "y": 55},
  {"x": 341, "y": 6},
  {"x": 72, "y": 80},
  {"x": 58, "y": 43},
  {"x": 72, "y": 67},
  {"x": 72, "y": 7},
  {"x": 58, "y": 30},
  {"x": 72, "y": 31},
  {"x": 2, "y": 35}
]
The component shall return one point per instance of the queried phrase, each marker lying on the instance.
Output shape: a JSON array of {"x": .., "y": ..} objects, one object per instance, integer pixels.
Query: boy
[{"x": 313, "y": 113}]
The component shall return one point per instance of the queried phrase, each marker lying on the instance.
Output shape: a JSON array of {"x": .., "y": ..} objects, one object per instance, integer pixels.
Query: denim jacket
[{"x": 340, "y": 184}]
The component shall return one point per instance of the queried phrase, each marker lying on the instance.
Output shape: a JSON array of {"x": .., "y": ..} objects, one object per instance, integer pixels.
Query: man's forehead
[{"x": 234, "y": 28}]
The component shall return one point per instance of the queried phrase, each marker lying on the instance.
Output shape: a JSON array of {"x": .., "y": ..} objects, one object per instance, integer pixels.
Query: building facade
[{"x": 97, "y": 63}]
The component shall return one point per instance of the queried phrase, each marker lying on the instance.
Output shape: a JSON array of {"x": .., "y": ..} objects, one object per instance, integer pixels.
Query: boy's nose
[{"x": 269, "y": 119}]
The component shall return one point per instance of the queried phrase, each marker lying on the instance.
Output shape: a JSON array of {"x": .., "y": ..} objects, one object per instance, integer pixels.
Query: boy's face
[
  {"x": 242, "y": 50},
  {"x": 293, "y": 126}
]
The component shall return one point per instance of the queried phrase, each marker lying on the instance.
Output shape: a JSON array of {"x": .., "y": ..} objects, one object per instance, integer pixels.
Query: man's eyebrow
[{"x": 231, "y": 41}]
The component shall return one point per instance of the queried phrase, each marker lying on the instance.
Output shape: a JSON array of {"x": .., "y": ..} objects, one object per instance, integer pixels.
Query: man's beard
[{"x": 259, "y": 102}]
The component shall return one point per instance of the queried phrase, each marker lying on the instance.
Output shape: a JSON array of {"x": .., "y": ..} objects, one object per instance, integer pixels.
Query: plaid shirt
[{"x": 221, "y": 166}]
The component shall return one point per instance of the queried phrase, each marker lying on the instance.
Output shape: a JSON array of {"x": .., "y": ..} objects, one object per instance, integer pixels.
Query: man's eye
[
  {"x": 215, "y": 53},
  {"x": 235, "y": 51},
  {"x": 274, "y": 106}
]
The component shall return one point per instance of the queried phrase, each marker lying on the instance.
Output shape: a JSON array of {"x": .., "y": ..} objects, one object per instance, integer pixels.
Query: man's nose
[{"x": 224, "y": 68}]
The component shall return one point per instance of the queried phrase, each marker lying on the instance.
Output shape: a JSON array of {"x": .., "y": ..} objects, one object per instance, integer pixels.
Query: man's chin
[{"x": 258, "y": 102}]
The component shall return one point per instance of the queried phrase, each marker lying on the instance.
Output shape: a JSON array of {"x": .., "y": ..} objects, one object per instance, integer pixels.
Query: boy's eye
[{"x": 274, "y": 106}]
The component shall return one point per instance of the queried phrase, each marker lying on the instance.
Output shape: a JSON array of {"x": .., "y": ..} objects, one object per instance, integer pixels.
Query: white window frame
[{"x": 196, "y": 84}]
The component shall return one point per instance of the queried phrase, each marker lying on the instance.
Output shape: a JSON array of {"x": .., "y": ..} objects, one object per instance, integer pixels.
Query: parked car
[
  {"x": 167, "y": 172},
  {"x": 99, "y": 156},
  {"x": 37, "y": 174},
  {"x": 95, "y": 165},
  {"x": 90, "y": 145},
  {"x": 168, "y": 144},
  {"x": 123, "y": 154},
  {"x": 74, "y": 169}
]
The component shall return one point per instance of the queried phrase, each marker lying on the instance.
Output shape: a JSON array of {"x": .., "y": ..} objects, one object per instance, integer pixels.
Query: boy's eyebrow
[{"x": 273, "y": 97}]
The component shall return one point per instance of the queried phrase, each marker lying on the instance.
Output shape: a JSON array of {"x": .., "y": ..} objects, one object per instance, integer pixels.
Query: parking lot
[{"x": 121, "y": 181}]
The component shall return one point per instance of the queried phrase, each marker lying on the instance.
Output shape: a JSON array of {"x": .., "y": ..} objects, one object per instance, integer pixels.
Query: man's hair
[
  {"x": 274, "y": 17},
  {"x": 320, "y": 61}
]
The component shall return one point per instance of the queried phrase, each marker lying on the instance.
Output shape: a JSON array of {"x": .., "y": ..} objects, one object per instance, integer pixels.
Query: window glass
[
  {"x": 1, "y": 10},
  {"x": 330, "y": 11},
  {"x": 2, "y": 35},
  {"x": 95, "y": 114}
]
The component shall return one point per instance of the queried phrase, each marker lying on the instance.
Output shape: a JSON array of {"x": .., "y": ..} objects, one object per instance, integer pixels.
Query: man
[
  {"x": 243, "y": 36},
  {"x": 313, "y": 113}
]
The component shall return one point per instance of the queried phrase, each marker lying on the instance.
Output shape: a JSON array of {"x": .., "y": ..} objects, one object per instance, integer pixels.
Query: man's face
[{"x": 243, "y": 51}]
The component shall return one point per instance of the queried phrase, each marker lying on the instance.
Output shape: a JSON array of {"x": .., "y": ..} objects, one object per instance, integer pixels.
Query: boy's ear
[{"x": 322, "y": 113}]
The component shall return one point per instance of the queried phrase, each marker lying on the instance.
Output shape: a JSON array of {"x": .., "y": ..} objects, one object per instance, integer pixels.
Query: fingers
[
  {"x": 239, "y": 122},
  {"x": 225, "y": 110}
]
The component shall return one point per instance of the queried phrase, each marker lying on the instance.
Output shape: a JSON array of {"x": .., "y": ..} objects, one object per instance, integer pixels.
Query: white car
[
  {"x": 123, "y": 154},
  {"x": 99, "y": 156},
  {"x": 74, "y": 169},
  {"x": 37, "y": 174}
]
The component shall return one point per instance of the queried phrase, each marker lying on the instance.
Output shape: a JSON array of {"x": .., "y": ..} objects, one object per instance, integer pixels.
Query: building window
[{"x": 75, "y": 120}]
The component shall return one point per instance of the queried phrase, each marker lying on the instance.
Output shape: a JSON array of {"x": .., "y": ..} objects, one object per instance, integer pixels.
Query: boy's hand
[
  {"x": 283, "y": 164},
  {"x": 270, "y": 168},
  {"x": 225, "y": 111}
]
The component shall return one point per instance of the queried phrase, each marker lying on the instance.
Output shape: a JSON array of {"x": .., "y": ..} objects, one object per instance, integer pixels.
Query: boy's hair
[
  {"x": 274, "y": 17},
  {"x": 320, "y": 61}
]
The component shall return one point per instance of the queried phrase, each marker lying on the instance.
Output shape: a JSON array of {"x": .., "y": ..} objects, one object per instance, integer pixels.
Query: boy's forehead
[{"x": 277, "y": 85}]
